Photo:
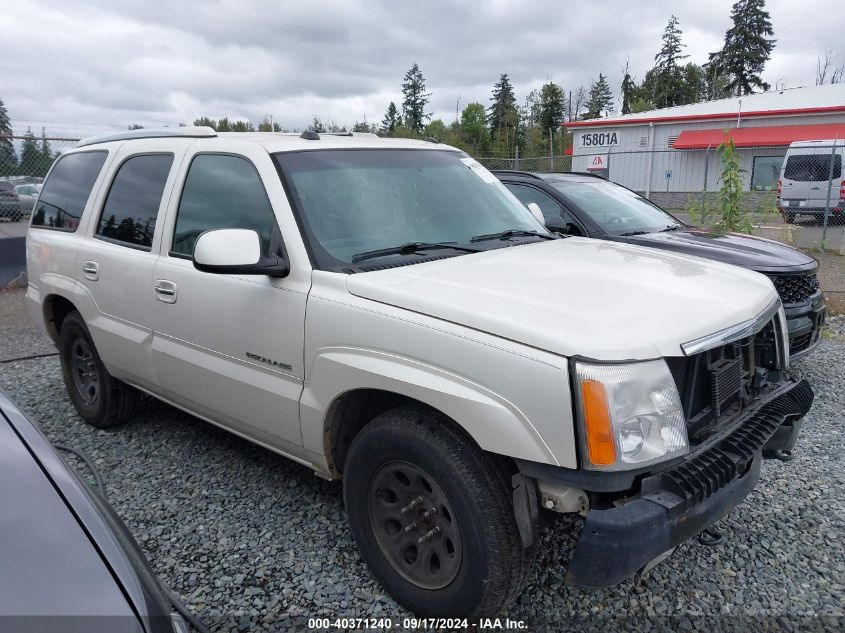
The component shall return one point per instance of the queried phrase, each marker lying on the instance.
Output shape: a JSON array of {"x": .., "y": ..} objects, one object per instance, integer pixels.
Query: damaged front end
[{"x": 738, "y": 406}]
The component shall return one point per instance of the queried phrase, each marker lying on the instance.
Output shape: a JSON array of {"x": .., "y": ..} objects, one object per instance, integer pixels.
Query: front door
[{"x": 229, "y": 347}]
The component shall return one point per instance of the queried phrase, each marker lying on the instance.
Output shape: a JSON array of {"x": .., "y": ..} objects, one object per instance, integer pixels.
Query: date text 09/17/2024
[{"x": 446, "y": 624}]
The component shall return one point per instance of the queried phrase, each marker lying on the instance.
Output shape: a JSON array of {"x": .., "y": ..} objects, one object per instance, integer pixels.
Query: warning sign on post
[{"x": 597, "y": 163}]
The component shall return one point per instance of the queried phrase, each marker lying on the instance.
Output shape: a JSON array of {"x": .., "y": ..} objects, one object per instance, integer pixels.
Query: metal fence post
[
  {"x": 551, "y": 150},
  {"x": 829, "y": 187},
  {"x": 607, "y": 166},
  {"x": 516, "y": 158},
  {"x": 704, "y": 187}
]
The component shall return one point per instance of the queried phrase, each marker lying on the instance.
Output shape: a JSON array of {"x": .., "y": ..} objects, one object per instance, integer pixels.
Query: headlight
[{"x": 630, "y": 415}]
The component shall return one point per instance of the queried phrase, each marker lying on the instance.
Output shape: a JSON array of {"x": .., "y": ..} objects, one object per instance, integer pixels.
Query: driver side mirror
[
  {"x": 236, "y": 252},
  {"x": 557, "y": 224}
]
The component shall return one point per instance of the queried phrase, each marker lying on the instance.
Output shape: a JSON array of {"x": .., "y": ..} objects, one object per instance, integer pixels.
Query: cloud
[{"x": 83, "y": 63}]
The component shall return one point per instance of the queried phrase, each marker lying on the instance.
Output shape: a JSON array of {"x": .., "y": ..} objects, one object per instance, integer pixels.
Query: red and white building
[{"x": 673, "y": 149}]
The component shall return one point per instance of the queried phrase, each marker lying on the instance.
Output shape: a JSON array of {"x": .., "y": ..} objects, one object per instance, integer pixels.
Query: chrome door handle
[
  {"x": 91, "y": 270},
  {"x": 165, "y": 291}
]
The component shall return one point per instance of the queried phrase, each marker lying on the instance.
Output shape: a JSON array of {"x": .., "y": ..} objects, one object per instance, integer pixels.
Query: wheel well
[
  {"x": 56, "y": 308},
  {"x": 350, "y": 413}
]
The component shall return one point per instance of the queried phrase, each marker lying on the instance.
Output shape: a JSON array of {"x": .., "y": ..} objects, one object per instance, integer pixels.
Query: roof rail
[
  {"x": 517, "y": 172},
  {"x": 585, "y": 173},
  {"x": 185, "y": 131}
]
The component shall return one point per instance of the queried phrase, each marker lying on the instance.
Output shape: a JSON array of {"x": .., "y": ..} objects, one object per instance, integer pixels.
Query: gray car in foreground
[{"x": 68, "y": 562}]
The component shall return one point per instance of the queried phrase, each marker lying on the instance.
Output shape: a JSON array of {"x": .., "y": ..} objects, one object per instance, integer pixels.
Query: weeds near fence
[{"x": 732, "y": 215}]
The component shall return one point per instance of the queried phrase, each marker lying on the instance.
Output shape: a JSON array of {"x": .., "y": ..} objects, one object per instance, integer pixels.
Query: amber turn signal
[{"x": 599, "y": 434}]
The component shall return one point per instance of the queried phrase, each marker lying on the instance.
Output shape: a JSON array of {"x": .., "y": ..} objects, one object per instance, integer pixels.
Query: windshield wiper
[
  {"x": 409, "y": 248},
  {"x": 672, "y": 227},
  {"x": 630, "y": 233},
  {"x": 503, "y": 235}
]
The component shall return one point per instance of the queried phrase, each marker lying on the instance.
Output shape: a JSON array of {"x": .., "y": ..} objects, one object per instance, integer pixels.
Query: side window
[
  {"x": 129, "y": 214},
  {"x": 221, "y": 192},
  {"x": 67, "y": 190},
  {"x": 526, "y": 194}
]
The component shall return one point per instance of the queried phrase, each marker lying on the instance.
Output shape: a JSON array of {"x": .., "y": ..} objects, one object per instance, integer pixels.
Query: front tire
[
  {"x": 433, "y": 517},
  {"x": 99, "y": 398},
  {"x": 789, "y": 218}
]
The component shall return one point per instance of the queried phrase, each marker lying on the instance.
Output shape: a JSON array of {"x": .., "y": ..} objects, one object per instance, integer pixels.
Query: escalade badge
[{"x": 269, "y": 361}]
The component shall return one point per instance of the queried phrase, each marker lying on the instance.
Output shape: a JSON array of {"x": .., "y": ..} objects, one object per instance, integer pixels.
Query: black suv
[{"x": 588, "y": 205}]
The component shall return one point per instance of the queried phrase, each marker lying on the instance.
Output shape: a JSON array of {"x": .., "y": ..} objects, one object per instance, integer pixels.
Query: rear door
[
  {"x": 806, "y": 175},
  {"x": 114, "y": 261},
  {"x": 230, "y": 347}
]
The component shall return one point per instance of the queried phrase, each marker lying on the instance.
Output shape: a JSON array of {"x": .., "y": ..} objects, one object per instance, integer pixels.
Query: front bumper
[{"x": 679, "y": 502}]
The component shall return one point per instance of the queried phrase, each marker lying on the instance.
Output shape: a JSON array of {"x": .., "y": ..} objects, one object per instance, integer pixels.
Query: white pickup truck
[{"x": 385, "y": 312}]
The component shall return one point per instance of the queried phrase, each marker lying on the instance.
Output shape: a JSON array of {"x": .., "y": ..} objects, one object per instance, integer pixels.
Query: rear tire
[
  {"x": 100, "y": 399},
  {"x": 433, "y": 516}
]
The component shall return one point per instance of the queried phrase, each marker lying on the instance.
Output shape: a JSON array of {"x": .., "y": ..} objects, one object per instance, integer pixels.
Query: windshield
[
  {"x": 615, "y": 209},
  {"x": 352, "y": 202}
]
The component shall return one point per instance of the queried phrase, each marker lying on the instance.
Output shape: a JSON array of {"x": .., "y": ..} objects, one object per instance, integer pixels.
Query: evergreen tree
[
  {"x": 30, "y": 157},
  {"x": 600, "y": 99},
  {"x": 392, "y": 119},
  {"x": 629, "y": 90},
  {"x": 242, "y": 126},
  {"x": 363, "y": 126},
  {"x": 664, "y": 84},
  {"x": 267, "y": 126},
  {"x": 415, "y": 100},
  {"x": 45, "y": 155},
  {"x": 205, "y": 121},
  {"x": 747, "y": 49},
  {"x": 8, "y": 159},
  {"x": 503, "y": 114},
  {"x": 552, "y": 107}
]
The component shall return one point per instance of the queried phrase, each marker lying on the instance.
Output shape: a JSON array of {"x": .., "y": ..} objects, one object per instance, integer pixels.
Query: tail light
[
  {"x": 780, "y": 183},
  {"x": 842, "y": 190}
]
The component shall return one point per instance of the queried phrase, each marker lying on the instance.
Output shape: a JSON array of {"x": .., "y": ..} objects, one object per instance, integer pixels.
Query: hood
[
  {"x": 748, "y": 251},
  {"x": 577, "y": 296}
]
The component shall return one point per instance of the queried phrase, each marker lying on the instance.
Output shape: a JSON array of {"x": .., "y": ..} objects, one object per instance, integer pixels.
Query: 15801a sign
[{"x": 599, "y": 139}]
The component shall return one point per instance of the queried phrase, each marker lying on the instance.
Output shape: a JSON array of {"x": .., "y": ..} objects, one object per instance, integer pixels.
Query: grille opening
[{"x": 716, "y": 385}]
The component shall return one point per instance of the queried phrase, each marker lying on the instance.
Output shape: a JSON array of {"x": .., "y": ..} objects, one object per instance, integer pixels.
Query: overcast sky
[{"x": 77, "y": 65}]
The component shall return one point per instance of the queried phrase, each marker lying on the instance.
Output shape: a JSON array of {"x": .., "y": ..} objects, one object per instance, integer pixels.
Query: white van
[{"x": 803, "y": 184}]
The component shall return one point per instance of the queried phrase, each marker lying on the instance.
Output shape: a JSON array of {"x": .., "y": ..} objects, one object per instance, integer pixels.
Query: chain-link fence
[
  {"x": 24, "y": 161},
  {"x": 795, "y": 195}
]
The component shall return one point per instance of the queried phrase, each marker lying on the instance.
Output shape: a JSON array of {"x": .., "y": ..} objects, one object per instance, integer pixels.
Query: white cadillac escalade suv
[{"x": 386, "y": 313}]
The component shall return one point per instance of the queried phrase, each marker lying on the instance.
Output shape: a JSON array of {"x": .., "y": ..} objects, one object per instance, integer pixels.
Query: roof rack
[
  {"x": 185, "y": 131},
  {"x": 311, "y": 135}
]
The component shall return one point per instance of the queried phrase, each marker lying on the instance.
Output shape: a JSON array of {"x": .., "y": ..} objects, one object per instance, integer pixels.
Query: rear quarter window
[{"x": 66, "y": 192}]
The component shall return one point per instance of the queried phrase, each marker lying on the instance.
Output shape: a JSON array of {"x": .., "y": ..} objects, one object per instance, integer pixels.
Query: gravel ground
[{"x": 252, "y": 541}]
